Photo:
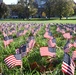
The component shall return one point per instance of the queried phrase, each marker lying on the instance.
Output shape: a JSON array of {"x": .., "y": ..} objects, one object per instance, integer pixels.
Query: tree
[
  {"x": 29, "y": 8},
  {"x": 18, "y": 10},
  {"x": 60, "y": 7},
  {"x": 4, "y": 11},
  {"x": 50, "y": 8},
  {"x": 64, "y": 8}
]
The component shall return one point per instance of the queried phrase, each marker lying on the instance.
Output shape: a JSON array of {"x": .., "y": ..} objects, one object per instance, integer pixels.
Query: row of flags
[
  {"x": 68, "y": 65},
  {"x": 8, "y": 37},
  {"x": 50, "y": 50},
  {"x": 16, "y": 60}
]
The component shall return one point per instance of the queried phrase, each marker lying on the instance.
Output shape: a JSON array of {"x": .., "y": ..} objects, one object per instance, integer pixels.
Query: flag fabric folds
[
  {"x": 13, "y": 60},
  {"x": 68, "y": 65}
]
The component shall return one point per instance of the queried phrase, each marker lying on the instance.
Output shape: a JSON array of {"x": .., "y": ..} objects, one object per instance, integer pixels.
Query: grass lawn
[{"x": 73, "y": 21}]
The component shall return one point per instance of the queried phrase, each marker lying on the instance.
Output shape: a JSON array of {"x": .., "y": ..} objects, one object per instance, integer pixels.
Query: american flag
[
  {"x": 52, "y": 43},
  {"x": 46, "y": 35},
  {"x": 58, "y": 29},
  {"x": 67, "y": 46},
  {"x": 67, "y": 35},
  {"x": 21, "y": 50},
  {"x": 48, "y": 51},
  {"x": 46, "y": 29},
  {"x": 12, "y": 30},
  {"x": 67, "y": 28},
  {"x": 20, "y": 33},
  {"x": 74, "y": 44},
  {"x": 74, "y": 55},
  {"x": 10, "y": 38},
  {"x": 62, "y": 31},
  {"x": 13, "y": 60},
  {"x": 49, "y": 33},
  {"x": 7, "y": 40},
  {"x": 68, "y": 65},
  {"x": 25, "y": 31},
  {"x": 31, "y": 42},
  {"x": 4, "y": 34}
]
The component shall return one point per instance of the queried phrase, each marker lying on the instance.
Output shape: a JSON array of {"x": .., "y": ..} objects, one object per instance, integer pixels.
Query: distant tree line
[{"x": 24, "y": 9}]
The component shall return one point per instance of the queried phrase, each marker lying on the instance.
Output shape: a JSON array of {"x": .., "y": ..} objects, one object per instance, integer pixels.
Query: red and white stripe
[
  {"x": 11, "y": 61},
  {"x": 68, "y": 69}
]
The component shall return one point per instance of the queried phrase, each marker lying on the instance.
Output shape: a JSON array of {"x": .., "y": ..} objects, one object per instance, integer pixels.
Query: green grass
[{"x": 41, "y": 20}]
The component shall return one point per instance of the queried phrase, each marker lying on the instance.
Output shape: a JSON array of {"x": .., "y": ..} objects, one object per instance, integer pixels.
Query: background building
[{"x": 41, "y": 6}]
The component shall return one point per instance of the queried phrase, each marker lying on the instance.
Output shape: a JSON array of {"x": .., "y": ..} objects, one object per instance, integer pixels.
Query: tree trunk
[{"x": 60, "y": 17}]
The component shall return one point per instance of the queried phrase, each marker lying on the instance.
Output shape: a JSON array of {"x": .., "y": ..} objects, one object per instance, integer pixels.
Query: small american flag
[
  {"x": 52, "y": 43},
  {"x": 62, "y": 31},
  {"x": 20, "y": 33},
  {"x": 10, "y": 38},
  {"x": 31, "y": 42},
  {"x": 4, "y": 34},
  {"x": 47, "y": 36},
  {"x": 7, "y": 40},
  {"x": 67, "y": 28},
  {"x": 25, "y": 31},
  {"x": 68, "y": 65},
  {"x": 67, "y": 35},
  {"x": 49, "y": 33},
  {"x": 74, "y": 44},
  {"x": 58, "y": 29},
  {"x": 21, "y": 50},
  {"x": 74, "y": 55},
  {"x": 48, "y": 51},
  {"x": 67, "y": 46},
  {"x": 13, "y": 60}
]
